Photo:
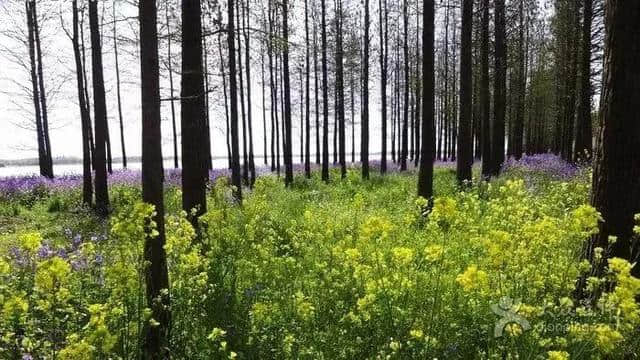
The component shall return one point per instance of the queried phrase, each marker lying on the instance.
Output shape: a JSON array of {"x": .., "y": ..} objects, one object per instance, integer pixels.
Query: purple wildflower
[
  {"x": 45, "y": 251},
  {"x": 545, "y": 164},
  {"x": 76, "y": 241}
]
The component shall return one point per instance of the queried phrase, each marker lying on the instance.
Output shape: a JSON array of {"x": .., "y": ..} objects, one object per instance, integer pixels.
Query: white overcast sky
[{"x": 16, "y": 110}]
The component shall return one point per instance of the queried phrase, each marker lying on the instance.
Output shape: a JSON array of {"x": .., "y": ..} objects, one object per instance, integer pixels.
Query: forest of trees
[
  {"x": 448, "y": 80},
  {"x": 511, "y": 73}
]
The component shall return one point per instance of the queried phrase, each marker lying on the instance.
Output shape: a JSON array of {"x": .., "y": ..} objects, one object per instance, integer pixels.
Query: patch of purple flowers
[
  {"x": 546, "y": 164},
  {"x": 15, "y": 185}
]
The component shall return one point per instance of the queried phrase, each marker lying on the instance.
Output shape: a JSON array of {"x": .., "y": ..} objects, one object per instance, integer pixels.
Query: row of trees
[
  {"x": 433, "y": 113},
  {"x": 525, "y": 103}
]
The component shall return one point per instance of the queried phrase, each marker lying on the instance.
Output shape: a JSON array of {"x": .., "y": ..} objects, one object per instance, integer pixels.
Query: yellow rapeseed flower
[
  {"x": 472, "y": 279},
  {"x": 557, "y": 355}
]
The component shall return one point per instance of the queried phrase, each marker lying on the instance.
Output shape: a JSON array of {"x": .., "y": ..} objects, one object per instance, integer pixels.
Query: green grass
[{"x": 352, "y": 269}]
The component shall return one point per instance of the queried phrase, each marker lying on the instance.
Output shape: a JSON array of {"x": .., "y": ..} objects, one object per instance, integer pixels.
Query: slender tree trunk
[
  {"x": 192, "y": 113},
  {"x": 518, "y": 123},
  {"x": 336, "y": 113},
  {"x": 445, "y": 124},
  {"x": 283, "y": 129},
  {"x": 42, "y": 155},
  {"x": 245, "y": 154},
  {"x": 405, "y": 123},
  {"x": 109, "y": 155},
  {"x": 425, "y": 174},
  {"x": 171, "y": 99},
  {"x": 316, "y": 76},
  {"x": 353, "y": 116},
  {"x": 416, "y": 131},
  {"x": 301, "y": 115},
  {"x": 287, "y": 96},
  {"x": 497, "y": 145},
  {"x": 92, "y": 147},
  {"x": 316, "y": 86},
  {"x": 273, "y": 88},
  {"x": 100, "y": 110},
  {"x": 394, "y": 108},
  {"x": 236, "y": 176},
  {"x": 43, "y": 95},
  {"x": 484, "y": 93},
  {"x": 247, "y": 47},
  {"x": 340, "y": 83},
  {"x": 275, "y": 104},
  {"x": 583, "y": 123},
  {"x": 384, "y": 52},
  {"x": 156, "y": 341},
  {"x": 264, "y": 108},
  {"x": 325, "y": 99},
  {"x": 87, "y": 186},
  {"x": 115, "y": 51},
  {"x": 226, "y": 101},
  {"x": 307, "y": 149},
  {"x": 364, "y": 127},
  {"x": 465, "y": 139},
  {"x": 207, "y": 131},
  {"x": 454, "y": 95},
  {"x": 616, "y": 176}
]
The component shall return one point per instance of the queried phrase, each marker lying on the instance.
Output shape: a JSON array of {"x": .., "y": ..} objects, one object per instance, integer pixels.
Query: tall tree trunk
[
  {"x": 207, "y": 128},
  {"x": 616, "y": 176},
  {"x": 92, "y": 146},
  {"x": 465, "y": 139},
  {"x": 236, "y": 176},
  {"x": 246, "y": 25},
  {"x": 245, "y": 154},
  {"x": 583, "y": 122},
  {"x": 384, "y": 52},
  {"x": 484, "y": 93},
  {"x": 115, "y": 51},
  {"x": 454, "y": 95},
  {"x": 108, "y": 140},
  {"x": 301, "y": 115},
  {"x": 287, "y": 96},
  {"x": 43, "y": 95},
  {"x": 192, "y": 113},
  {"x": 42, "y": 154},
  {"x": 445, "y": 124},
  {"x": 325, "y": 98},
  {"x": 418, "y": 96},
  {"x": 307, "y": 149},
  {"x": 156, "y": 338},
  {"x": 394, "y": 99},
  {"x": 273, "y": 91},
  {"x": 226, "y": 101},
  {"x": 275, "y": 104},
  {"x": 171, "y": 99},
  {"x": 364, "y": 127},
  {"x": 316, "y": 86},
  {"x": 340, "y": 96},
  {"x": 283, "y": 128},
  {"x": 425, "y": 174},
  {"x": 100, "y": 113},
  {"x": 518, "y": 124},
  {"x": 353, "y": 116},
  {"x": 405, "y": 123},
  {"x": 497, "y": 145},
  {"x": 264, "y": 108},
  {"x": 87, "y": 186}
]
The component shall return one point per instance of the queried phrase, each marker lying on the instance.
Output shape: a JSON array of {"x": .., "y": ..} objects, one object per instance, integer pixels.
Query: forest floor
[{"x": 352, "y": 269}]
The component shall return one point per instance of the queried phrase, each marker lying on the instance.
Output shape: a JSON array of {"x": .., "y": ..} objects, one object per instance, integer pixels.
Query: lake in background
[{"x": 76, "y": 169}]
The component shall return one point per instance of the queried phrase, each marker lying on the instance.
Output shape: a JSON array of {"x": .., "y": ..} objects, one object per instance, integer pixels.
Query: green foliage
[{"x": 348, "y": 270}]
